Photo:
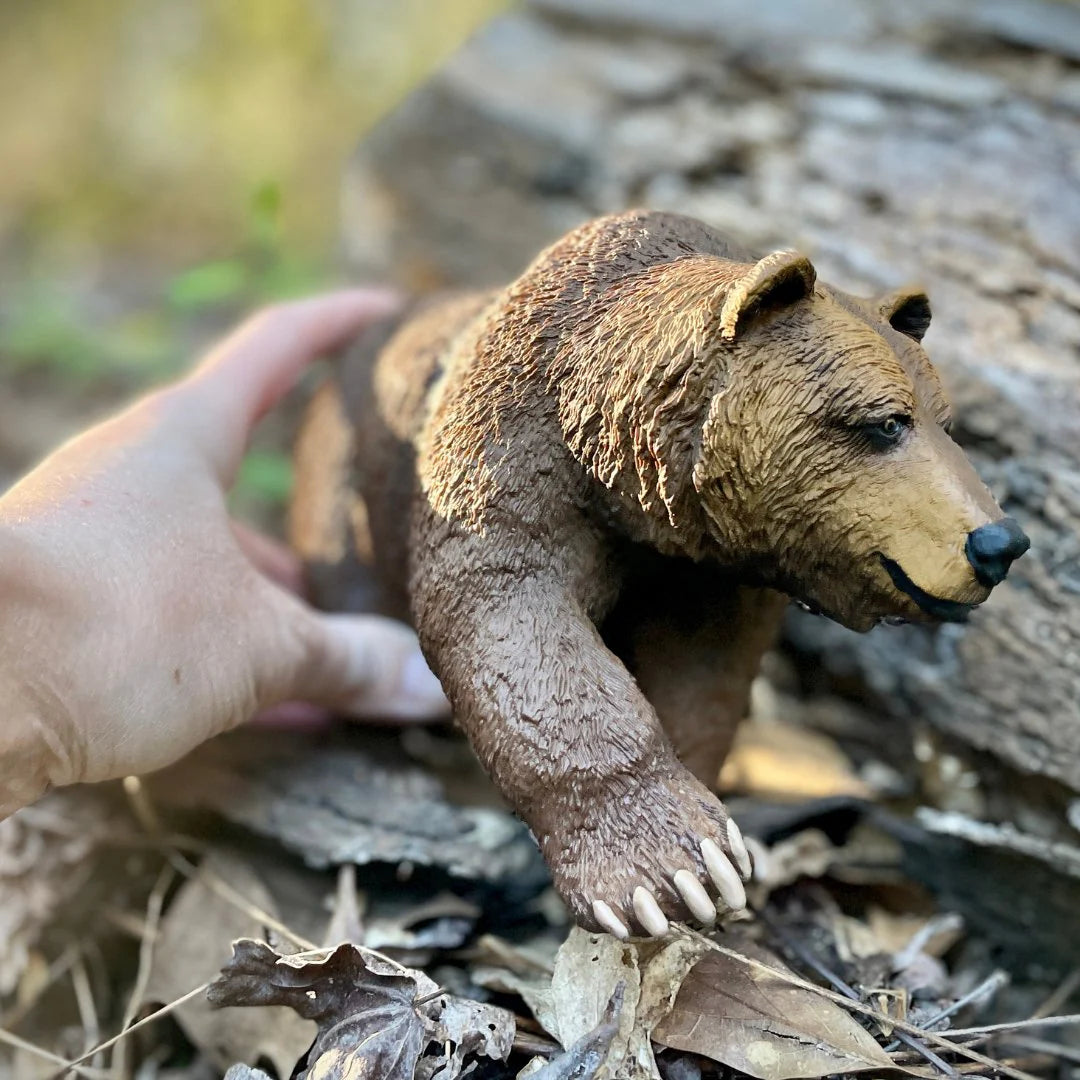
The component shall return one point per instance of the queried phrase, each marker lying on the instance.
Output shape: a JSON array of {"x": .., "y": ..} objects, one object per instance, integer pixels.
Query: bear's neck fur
[{"x": 634, "y": 383}]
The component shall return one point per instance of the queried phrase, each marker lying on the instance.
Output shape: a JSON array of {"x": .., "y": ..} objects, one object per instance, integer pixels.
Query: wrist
[{"x": 24, "y": 747}]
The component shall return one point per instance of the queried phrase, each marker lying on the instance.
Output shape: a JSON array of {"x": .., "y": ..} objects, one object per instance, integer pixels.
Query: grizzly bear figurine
[{"x": 593, "y": 493}]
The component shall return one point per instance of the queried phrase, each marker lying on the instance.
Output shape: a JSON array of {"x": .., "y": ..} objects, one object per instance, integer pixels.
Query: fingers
[
  {"x": 359, "y": 665},
  {"x": 257, "y": 365}
]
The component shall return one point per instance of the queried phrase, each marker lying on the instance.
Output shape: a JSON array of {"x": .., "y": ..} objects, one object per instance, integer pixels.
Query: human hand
[{"x": 136, "y": 620}]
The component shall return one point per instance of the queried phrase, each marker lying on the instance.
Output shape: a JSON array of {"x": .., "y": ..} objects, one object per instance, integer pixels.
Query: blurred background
[{"x": 165, "y": 166}]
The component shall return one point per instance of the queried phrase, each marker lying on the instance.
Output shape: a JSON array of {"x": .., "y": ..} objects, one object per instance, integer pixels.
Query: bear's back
[{"x": 590, "y": 258}]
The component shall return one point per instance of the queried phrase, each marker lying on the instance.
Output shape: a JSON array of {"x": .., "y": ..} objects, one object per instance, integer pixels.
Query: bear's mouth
[{"x": 934, "y": 606}]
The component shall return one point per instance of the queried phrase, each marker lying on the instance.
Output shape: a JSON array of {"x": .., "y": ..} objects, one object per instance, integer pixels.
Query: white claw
[
  {"x": 648, "y": 912},
  {"x": 611, "y": 922},
  {"x": 697, "y": 899},
  {"x": 738, "y": 849},
  {"x": 724, "y": 876}
]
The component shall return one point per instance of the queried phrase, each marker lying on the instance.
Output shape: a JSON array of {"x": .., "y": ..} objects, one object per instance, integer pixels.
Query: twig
[
  {"x": 20, "y": 1043},
  {"x": 1068, "y": 986},
  {"x": 216, "y": 883},
  {"x": 84, "y": 999},
  {"x": 990, "y": 985},
  {"x": 146, "y": 814},
  {"x": 849, "y": 992},
  {"x": 856, "y": 1006},
  {"x": 57, "y": 970},
  {"x": 157, "y": 1015},
  {"x": 430, "y": 997},
  {"x": 1043, "y": 1046},
  {"x": 146, "y": 954},
  {"x": 1035, "y": 1021}
]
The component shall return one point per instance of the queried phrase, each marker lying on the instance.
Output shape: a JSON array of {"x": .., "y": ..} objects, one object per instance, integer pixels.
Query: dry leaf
[
  {"x": 195, "y": 934},
  {"x": 363, "y": 1004},
  {"x": 443, "y": 921},
  {"x": 464, "y": 1029},
  {"x": 588, "y": 968},
  {"x": 585, "y": 1057},
  {"x": 759, "y": 1024},
  {"x": 775, "y": 759},
  {"x": 808, "y": 853},
  {"x": 366, "y": 1007}
]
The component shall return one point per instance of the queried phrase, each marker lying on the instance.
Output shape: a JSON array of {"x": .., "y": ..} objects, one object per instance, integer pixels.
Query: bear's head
[
  {"x": 796, "y": 433},
  {"x": 825, "y": 459}
]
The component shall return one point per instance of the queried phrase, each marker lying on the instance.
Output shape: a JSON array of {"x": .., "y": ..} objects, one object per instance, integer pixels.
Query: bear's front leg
[{"x": 633, "y": 840}]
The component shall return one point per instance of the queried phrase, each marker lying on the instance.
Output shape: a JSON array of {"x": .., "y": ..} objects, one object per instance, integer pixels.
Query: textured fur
[{"x": 591, "y": 491}]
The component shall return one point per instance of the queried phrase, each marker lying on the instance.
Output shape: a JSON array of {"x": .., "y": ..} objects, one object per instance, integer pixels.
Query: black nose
[{"x": 992, "y": 548}]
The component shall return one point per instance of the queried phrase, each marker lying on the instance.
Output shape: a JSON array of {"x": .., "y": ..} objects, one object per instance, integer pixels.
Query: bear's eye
[{"x": 885, "y": 434}]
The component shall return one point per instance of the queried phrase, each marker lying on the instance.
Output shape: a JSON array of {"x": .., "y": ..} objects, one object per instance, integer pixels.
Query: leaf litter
[
  {"x": 438, "y": 964},
  {"x": 375, "y": 1018}
]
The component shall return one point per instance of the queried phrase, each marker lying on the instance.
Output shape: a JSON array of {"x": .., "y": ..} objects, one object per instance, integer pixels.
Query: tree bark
[{"x": 934, "y": 140}]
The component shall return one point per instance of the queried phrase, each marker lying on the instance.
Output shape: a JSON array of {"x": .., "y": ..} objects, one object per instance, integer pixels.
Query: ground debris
[
  {"x": 764, "y": 1027},
  {"x": 194, "y": 934},
  {"x": 375, "y": 1018},
  {"x": 350, "y": 799},
  {"x": 583, "y": 1060}
]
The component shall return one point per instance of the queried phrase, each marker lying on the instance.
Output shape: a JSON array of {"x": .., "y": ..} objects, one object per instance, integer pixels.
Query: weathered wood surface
[{"x": 936, "y": 140}]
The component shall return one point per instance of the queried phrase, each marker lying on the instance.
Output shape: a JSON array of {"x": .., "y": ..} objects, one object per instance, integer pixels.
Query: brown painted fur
[{"x": 585, "y": 488}]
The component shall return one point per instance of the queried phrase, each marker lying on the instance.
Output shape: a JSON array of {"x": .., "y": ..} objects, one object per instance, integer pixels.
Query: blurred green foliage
[
  {"x": 167, "y": 166},
  {"x": 48, "y": 330}
]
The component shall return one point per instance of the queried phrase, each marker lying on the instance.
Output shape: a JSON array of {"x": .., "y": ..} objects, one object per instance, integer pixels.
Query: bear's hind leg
[
  {"x": 327, "y": 517},
  {"x": 695, "y": 648}
]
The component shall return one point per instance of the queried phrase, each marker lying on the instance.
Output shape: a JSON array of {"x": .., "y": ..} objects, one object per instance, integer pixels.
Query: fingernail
[{"x": 418, "y": 682}]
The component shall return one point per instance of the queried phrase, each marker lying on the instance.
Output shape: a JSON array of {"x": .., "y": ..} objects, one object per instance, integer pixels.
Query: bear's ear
[
  {"x": 907, "y": 311},
  {"x": 777, "y": 281}
]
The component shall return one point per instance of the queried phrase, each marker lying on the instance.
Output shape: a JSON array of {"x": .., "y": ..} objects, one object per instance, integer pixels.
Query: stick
[
  {"x": 850, "y": 992},
  {"x": 84, "y": 999},
  {"x": 990, "y": 985},
  {"x": 1060, "y": 996},
  {"x": 857, "y": 1006},
  {"x": 163, "y": 1011},
  {"x": 146, "y": 955},
  {"x": 1058, "y": 1051},
  {"x": 19, "y": 1043},
  {"x": 57, "y": 969},
  {"x": 218, "y": 884},
  {"x": 1035, "y": 1021}
]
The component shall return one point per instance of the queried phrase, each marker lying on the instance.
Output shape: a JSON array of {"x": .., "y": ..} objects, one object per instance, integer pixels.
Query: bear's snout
[{"x": 992, "y": 549}]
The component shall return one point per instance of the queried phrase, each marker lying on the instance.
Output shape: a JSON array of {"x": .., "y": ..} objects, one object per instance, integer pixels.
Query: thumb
[
  {"x": 256, "y": 366},
  {"x": 360, "y": 665}
]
